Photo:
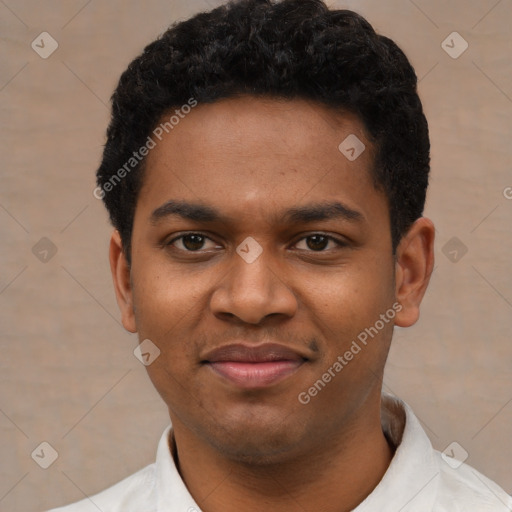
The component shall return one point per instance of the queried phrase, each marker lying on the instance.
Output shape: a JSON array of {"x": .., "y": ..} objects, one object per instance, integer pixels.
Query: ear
[
  {"x": 413, "y": 267},
  {"x": 122, "y": 283}
]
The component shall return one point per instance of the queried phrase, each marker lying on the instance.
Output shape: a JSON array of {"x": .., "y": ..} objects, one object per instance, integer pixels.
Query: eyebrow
[{"x": 301, "y": 214}]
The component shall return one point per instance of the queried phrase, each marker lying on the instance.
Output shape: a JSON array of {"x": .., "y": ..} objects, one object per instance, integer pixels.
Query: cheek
[
  {"x": 355, "y": 292},
  {"x": 163, "y": 299},
  {"x": 162, "y": 313},
  {"x": 349, "y": 303}
]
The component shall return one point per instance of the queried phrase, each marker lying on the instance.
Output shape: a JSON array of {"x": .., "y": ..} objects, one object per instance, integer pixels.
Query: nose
[{"x": 254, "y": 289}]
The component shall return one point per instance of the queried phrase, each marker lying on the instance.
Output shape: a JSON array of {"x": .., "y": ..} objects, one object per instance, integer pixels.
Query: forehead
[
  {"x": 247, "y": 121},
  {"x": 254, "y": 156}
]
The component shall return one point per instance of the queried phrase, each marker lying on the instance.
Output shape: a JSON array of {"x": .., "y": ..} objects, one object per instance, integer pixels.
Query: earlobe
[
  {"x": 413, "y": 268},
  {"x": 122, "y": 283}
]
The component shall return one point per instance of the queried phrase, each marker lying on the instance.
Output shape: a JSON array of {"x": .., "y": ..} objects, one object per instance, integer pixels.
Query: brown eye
[
  {"x": 319, "y": 242},
  {"x": 193, "y": 242},
  {"x": 190, "y": 242}
]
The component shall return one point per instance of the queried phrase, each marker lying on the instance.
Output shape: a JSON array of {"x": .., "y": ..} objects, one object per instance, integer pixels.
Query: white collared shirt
[{"x": 418, "y": 479}]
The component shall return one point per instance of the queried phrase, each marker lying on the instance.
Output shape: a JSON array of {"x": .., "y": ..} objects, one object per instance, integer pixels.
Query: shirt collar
[
  {"x": 409, "y": 484},
  {"x": 411, "y": 480},
  {"x": 171, "y": 491}
]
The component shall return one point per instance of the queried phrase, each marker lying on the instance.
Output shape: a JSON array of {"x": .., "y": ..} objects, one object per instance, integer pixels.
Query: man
[{"x": 265, "y": 171}]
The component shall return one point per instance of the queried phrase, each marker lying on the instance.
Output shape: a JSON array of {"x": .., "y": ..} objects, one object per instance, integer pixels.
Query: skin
[{"x": 251, "y": 159}]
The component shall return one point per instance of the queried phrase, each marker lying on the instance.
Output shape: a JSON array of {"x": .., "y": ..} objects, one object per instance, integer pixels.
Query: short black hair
[{"x": 282, "y": 49}]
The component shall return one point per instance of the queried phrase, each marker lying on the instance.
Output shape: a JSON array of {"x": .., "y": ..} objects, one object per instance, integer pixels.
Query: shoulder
[
  {"x": 464, "y": 489},
  {"x": 132, "y": 494}
]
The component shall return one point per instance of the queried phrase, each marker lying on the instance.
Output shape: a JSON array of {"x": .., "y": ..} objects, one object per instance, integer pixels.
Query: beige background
[{"x": 68, "y": 374}]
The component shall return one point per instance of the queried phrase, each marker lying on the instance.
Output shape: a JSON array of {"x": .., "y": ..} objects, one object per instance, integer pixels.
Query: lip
[{"x": 254, "y": 366}]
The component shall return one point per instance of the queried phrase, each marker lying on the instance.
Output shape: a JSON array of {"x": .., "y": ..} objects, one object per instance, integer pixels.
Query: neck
[{"x": 334, "y": 476}]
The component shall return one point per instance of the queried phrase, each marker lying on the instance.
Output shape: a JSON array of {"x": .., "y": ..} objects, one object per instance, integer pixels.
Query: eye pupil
[
  {"x": 196, "y": 244},
  {"x": 317, "y": 238}
]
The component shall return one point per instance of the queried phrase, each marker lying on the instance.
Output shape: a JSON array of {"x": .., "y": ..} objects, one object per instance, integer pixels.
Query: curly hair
[{"x": 287, "y": 49}]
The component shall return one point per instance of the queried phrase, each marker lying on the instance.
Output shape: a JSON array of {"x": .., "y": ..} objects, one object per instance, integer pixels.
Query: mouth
[{"x": 253, "y": 367}]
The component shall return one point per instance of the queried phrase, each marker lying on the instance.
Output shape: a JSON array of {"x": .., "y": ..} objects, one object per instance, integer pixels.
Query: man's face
[{"x": 255, "y": 274}]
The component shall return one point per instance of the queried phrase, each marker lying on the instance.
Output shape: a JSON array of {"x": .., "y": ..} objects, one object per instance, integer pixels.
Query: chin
[
  {"x": 256, "y": 440},
  {"x": 260, "y": 452}
]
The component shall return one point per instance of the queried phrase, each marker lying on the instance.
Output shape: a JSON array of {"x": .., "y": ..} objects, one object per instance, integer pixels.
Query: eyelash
[{"x": 328, "y": 237}]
